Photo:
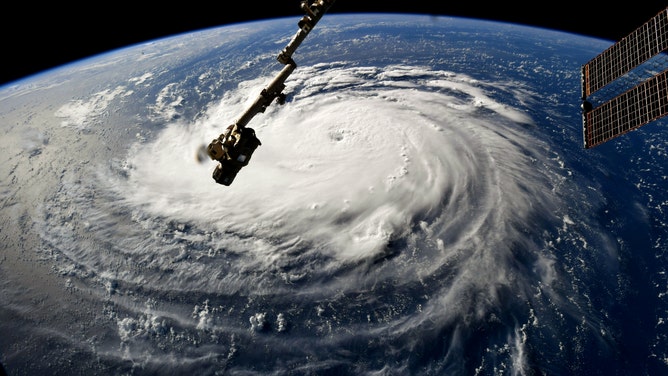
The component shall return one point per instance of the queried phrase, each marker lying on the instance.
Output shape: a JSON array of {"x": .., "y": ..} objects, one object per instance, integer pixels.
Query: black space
[{"x": 39, "y": 37}]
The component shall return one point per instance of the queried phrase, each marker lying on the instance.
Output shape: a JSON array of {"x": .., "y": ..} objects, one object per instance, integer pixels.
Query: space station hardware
[
  {"x": 634, "y": 107},
  {"x": 235, "y": 146}
]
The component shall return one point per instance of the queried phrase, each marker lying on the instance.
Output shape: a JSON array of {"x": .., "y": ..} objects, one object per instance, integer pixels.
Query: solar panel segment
[{"x": 627, "y": 111}]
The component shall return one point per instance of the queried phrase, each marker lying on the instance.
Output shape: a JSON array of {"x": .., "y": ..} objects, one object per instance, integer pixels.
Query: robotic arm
[{"x": 234, "y": 147}]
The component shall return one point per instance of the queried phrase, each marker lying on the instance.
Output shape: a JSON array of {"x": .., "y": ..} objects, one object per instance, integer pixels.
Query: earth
[{"x": 422, "y": 204}]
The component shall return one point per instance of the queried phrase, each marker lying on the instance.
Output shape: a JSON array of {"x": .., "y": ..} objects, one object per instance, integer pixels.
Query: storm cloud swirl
[{"x": 390, "y": 211}]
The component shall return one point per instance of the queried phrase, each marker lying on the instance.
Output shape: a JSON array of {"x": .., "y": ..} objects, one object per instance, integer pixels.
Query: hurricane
[{"x": 396, "y": 219}]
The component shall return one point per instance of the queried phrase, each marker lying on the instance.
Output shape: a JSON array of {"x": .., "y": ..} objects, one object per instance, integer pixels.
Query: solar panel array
[{"x": 638, "y": 106}]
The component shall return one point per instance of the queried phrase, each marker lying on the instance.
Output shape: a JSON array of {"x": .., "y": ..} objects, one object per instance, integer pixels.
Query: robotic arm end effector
[{"x": 233, "y": 150}]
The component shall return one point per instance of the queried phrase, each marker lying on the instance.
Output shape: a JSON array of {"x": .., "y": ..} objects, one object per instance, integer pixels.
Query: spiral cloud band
[{"x": 388, "y": 200}]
